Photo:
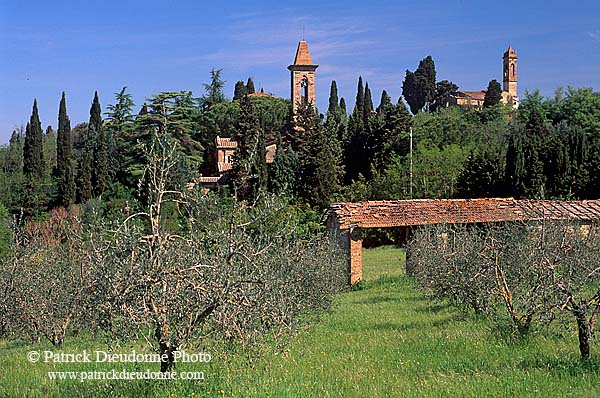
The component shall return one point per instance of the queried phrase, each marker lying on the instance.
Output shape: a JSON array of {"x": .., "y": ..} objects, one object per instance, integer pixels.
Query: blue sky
[{"x": 81, "y": 46}]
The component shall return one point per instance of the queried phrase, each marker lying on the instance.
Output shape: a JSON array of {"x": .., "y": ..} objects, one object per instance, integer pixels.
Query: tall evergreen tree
[
  {"x": 385, "y": 103},
  {"x": 122, "y": 140},
  {"x": 249, "y": 161},
  {"x": 343, "y": 110},
  {"x": 99, "y": 141},
  {"x": 213, "y": 92},
  {"x": 356, "y": 156},
  {"x": 409, "y": 91},
  {"x": 367, "y": 107},
  {"x": 33, "y": 155},
  {"x": 333, "y": 109},
  {"x": 64, "y": 156},
  {"x": 319, "y": 155},
  {"x": 426, "y": 79},
  {"x": 250, "y": 86},
  {"x": 239, "y": 90},
  {"x": 493, "y": 95}
]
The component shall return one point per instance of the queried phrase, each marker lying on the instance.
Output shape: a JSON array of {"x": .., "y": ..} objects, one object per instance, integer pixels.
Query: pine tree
[
  {"x": 239, "y": 90},
  {"x": 493, "y": 95},
  {"x": 213, "y": 92},
  {"x": 33, "y": 158},
  {"x": 250, "y": 86},
  {"x": 64, "y": 156}
]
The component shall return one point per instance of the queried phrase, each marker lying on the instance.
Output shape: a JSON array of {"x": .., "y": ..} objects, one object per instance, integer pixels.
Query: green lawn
[{"x": 386, "y": 340}]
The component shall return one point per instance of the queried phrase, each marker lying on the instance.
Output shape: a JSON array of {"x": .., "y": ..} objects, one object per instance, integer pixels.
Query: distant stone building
[
  {"x": 303, "y": 77},
  {"x": 303, "y": 90},
  {"x": 509, "y": 85}
]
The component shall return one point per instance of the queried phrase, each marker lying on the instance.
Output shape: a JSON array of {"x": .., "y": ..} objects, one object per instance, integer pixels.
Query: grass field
[{"x": 386, "y": 340}]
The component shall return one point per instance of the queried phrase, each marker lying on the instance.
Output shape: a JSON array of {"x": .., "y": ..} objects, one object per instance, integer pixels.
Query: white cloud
[{"x": 595, "y": 34}]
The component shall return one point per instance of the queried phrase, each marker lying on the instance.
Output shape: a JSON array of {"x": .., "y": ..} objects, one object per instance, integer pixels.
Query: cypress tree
[
  {"x": 33, "y": 155},
  {"x": 249, "y": 161},
  {"x": 250, "y": 86},
  {"x": 493, "y": 95},
  {"x": 360, "y": 98},
  {"x": 98, "y": 138},
  {"x": 239, "y": 90},
  {"x": 367, "y": 108},
  {"x": 426, "y": 78},
  {"x": 320, "y": 170},
  {"x": 385, "y": 103},
  {"x": 409, "y": 92},
  {"x": 333, "y": 108},
  {"x": 343, "y": 110},
  {"x": 64, "y": 151},
  {"x": 284, "y": 171}
]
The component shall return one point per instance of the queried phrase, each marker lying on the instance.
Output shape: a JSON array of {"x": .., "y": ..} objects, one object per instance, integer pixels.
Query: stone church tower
[
  {"x": 509, "y": 72},
  {"x": 303, "y": 76}
]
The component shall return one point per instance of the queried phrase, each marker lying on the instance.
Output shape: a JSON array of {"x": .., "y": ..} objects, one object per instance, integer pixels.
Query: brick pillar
[{"x": 355, "y": 255}]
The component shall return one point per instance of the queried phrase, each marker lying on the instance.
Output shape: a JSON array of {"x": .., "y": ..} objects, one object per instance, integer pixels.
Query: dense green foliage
[{"x": 548, "y": 148}]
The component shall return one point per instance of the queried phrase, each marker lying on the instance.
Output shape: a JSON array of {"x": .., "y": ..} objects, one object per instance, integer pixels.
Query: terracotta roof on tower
[
  {"x": 302, "y": 54},
  {"x": 510, "y": 52}
]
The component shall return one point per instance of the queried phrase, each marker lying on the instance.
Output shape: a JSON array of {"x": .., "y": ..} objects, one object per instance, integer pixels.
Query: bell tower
[
  {"x": 303, "y": 77},
  {"x": 509, "y": 72}
]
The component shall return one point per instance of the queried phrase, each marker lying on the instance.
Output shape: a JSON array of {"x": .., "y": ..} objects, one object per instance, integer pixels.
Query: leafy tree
[
  {"x": 482, "y": 176},
  {"x": 493, "y": 95},
  {"x": 239, "y": 90},
  {"x": 250, "y": 86},
  {"x": 419, "y": 88},
  {"x": 64, "y": 156},
  {"x": 284, "y": 171},
  {"x": 444, "y": 91},
  {"x": 174, "y": 112}
]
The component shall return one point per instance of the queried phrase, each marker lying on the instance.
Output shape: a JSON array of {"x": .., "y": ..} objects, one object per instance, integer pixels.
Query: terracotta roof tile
[
  {"x": 302, "y": 54},
  {"x": 223, "y": 142},
  {"x": 396, "y": 213}
]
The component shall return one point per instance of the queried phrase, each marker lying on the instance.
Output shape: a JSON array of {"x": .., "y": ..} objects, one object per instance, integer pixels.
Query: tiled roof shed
[
  {"x": 345, "y": 220},
  {"x": 398, "y": 213}
]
